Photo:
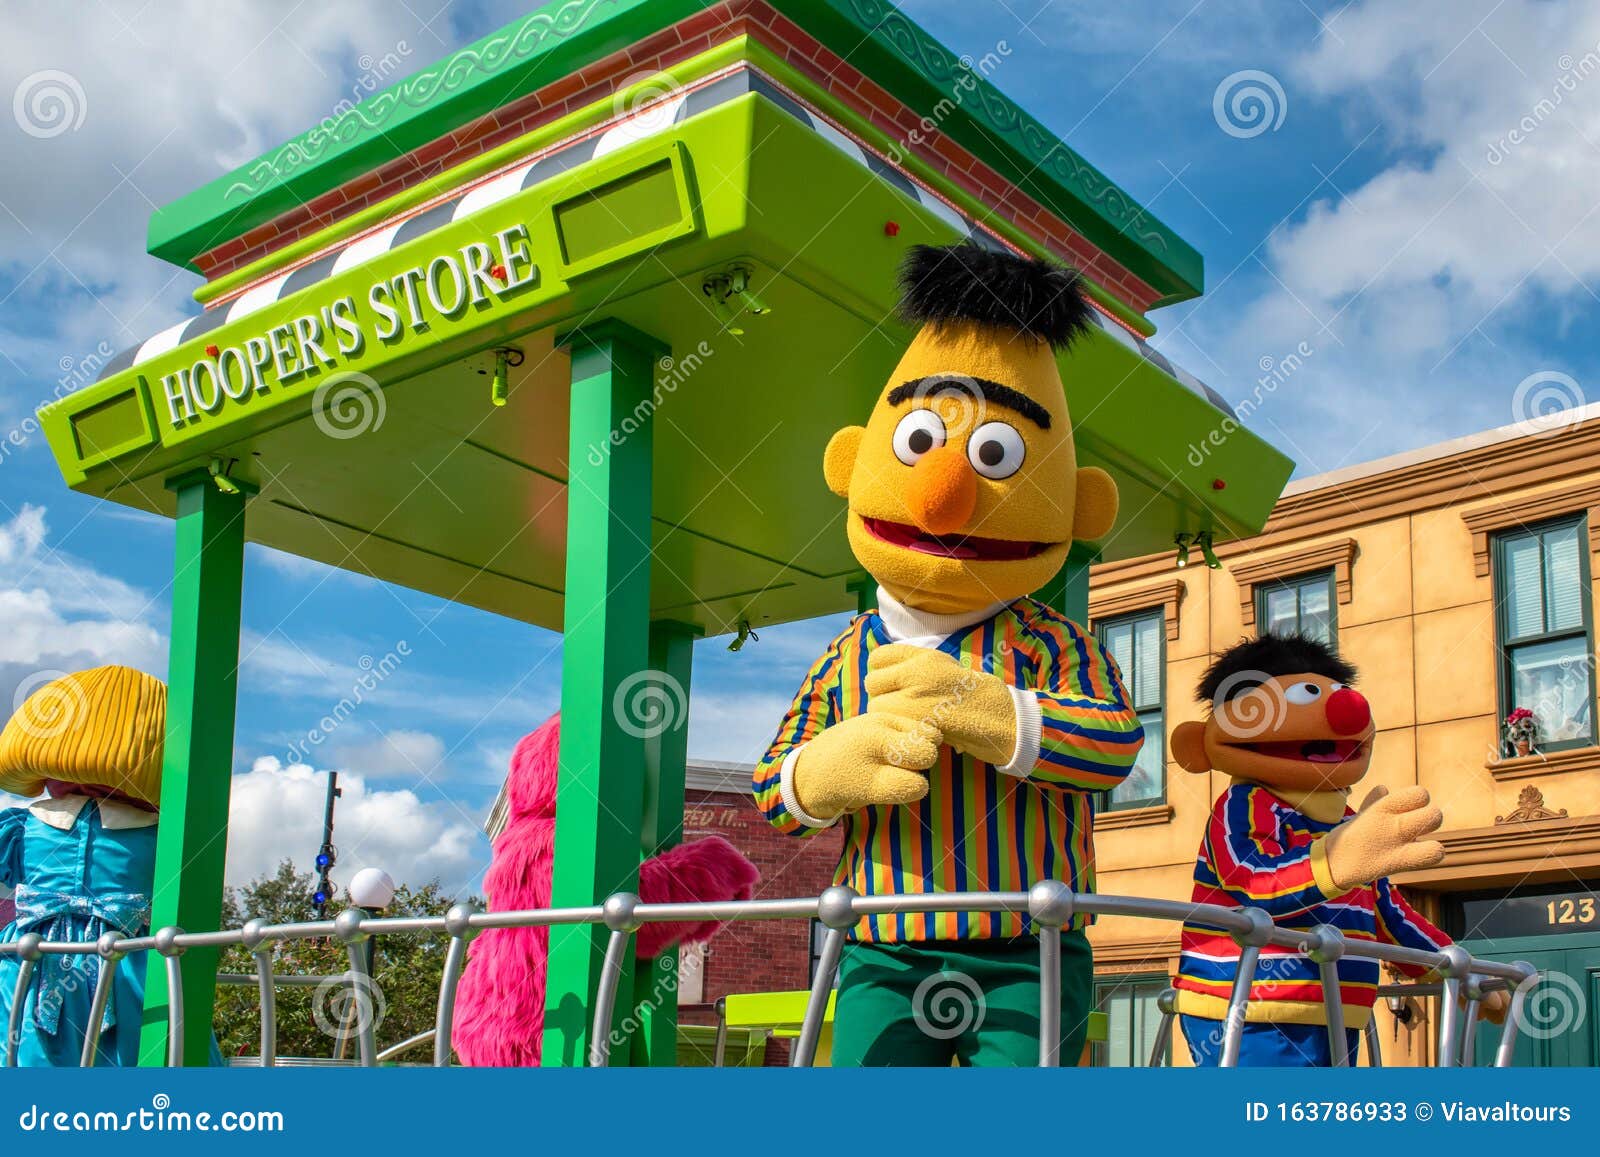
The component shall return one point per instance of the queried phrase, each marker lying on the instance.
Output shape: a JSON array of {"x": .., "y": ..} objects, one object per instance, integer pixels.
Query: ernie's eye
[
  {"x": 995, "y": 450},
  {"x": 918, "y": 432},
  {"x": 1302, "y": 693}
]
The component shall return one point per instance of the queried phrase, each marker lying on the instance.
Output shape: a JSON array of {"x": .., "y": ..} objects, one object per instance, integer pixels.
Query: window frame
[
  {"x": 1505, "y": 677},
  {"x": 1099, "y": 1050},
  {"x": 1102, "y": 800},
  {"x": 1296, "y": 582}
]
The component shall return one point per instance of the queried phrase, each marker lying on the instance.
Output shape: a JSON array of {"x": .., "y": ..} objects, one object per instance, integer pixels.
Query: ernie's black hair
[
  {"x": 942, "y": 284},
  {"x": 1252, "y": 662}
]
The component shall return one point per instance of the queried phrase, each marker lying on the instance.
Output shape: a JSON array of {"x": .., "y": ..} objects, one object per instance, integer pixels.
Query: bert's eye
[
  {"x": 918, "y": 432},
  {"x": 1302, "y": 693},
  {"x": 995, "y": 450}
]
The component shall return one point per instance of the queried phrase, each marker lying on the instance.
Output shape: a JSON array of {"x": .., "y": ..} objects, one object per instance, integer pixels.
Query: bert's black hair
[
  {"x": 941, "y": 284},
  {"x": 1251, "y": 662}
]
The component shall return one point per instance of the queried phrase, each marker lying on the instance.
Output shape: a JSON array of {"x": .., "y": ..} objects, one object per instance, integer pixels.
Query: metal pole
[
  {"x": 1469, "y": 1035},
  {"x": 720, "y": 1051},
  {"x": 1374, "y": 1047},
  {"x": 363, "y": 989},
  {"x": 1519, "y": 995},
  {"x": 1167, "y": 1005},
  {"x": 1325, "y": 946},
  {"x": 28, "y": 950},
  {"x": 457, "y": 922},
  {"x": 1250, "y": 944},
  {"x": 1050, "y": 906},
  {"x": 269, "y": 1010},
  {"x": 605, "y": 999},
  {"x": 1451, "y": 1014},
  {"x": 106, "y": 947},
  {"x": 174, "y": 1007},
  {"x": 835, "y": 908}
]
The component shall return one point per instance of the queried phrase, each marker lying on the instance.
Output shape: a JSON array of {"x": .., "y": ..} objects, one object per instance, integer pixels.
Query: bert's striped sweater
[{"x": 980, "y": 827}]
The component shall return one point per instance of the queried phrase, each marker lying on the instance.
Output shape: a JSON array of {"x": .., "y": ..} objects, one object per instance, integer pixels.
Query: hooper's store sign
[{"x": 444, "y": 287}]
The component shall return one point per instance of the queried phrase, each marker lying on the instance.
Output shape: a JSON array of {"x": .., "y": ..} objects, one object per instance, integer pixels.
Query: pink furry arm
[{"x": 709, "y": 869}]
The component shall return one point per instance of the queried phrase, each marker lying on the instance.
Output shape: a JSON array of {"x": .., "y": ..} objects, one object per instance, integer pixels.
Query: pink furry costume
[{"x": 500, "y": 1008}]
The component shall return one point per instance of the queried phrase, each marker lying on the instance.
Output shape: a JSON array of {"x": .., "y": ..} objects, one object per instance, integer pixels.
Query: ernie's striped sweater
[
  {"x": 978, "y": 828},
  {"x": 1257, "y": 853}
]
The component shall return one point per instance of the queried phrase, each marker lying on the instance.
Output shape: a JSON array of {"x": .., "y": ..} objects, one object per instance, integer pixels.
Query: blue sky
[{"x": 1384, "y": 217}]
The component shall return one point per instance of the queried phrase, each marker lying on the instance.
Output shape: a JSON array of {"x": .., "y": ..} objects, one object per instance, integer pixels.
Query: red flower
[
  {"x": 212, "y": 351},
  {"x": 891, "y": 228},
  {"x": 498, "y": 272}
]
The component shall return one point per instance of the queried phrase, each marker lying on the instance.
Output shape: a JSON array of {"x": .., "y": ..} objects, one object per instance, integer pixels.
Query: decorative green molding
[{"x": 567, "y": 35}]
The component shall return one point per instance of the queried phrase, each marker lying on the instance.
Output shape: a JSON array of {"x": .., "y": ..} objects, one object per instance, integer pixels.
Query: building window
[
  {"x": 1137, "y": 644},
  {"x": 1132, "y": 1020},
  {"x": 1303, "y": 605},
  {"x": 1545, "y": 627}
]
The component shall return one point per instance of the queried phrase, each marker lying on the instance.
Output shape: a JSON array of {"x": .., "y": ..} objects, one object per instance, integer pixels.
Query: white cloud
[
  {"x": 415, "y": 755},
  {"x": 58, "y": 613},
  {"x": 276, "y": 812}
]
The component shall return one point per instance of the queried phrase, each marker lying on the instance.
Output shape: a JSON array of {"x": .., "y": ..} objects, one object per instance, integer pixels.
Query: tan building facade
[{"x": 1459, "y": 580}]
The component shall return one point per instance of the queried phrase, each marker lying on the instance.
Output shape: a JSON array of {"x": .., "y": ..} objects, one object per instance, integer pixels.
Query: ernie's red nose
[{"x": 1348, "y": 712}]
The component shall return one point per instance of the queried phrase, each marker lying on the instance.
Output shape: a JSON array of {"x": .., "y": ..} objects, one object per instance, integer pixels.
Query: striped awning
[{"x": 637, "y": 125}]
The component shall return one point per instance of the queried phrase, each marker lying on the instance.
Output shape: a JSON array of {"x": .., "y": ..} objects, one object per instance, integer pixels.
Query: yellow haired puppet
[
  {"x": 957, "y": 732},
  {"x": 81, "y": 858}
]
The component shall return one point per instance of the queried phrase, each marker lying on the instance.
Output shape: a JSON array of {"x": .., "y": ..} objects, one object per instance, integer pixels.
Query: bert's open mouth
[
  {"x": 962, "y": 546},
  {"x": 1310, "y": 750}
]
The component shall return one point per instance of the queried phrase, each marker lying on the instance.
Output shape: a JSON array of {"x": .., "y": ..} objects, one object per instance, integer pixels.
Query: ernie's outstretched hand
[
  {"x": 1384, "y": 837},
  {"x": 973, "y": 710},
  {"x": 862, "y": 761}
]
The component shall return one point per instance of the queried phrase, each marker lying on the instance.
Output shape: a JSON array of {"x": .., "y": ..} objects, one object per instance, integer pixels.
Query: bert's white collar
[{"x": 924, "y": 628}]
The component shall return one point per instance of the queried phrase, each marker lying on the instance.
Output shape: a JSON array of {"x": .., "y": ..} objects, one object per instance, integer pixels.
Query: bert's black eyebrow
[{"x": 981, "y": 388}]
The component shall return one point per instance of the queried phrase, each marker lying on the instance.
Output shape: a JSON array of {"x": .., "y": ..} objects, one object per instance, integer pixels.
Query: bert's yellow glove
[
  {"x": 974, "y": 711},
  {"x": 1383, "y": 838},
  {"x": 862, "y": 761}
]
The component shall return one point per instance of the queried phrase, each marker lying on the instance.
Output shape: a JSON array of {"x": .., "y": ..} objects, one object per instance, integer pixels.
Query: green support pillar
[
  {"x": 604, "y": 669},
  {"x": 202, "y": 688},
  {"x": 655, "y": 995},
  {"x": 865, "y": 588},
  {"x": 1068, "y": 592}
]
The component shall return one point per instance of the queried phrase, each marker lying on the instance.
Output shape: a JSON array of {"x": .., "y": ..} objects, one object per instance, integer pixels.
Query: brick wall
[
  {"x": 688, "y": 38},
  {"x": 764, "y": 955}
]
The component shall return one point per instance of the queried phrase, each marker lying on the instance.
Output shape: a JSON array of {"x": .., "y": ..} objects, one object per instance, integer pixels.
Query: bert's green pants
[{"x": 923, "y": 1004}]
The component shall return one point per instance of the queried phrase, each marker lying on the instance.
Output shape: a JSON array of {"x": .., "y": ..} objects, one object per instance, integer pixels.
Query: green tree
[{"x": 311, "y": 1020}]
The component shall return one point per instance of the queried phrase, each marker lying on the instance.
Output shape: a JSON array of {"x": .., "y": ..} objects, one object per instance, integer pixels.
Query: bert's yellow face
[{"x": 964, "y": 486}]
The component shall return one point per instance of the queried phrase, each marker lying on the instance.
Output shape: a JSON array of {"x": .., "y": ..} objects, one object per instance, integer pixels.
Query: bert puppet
[{"x": 957, "y": 732}]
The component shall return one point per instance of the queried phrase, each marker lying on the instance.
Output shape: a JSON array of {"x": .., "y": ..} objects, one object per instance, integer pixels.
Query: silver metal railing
[{"x": 1050, "y": 904}]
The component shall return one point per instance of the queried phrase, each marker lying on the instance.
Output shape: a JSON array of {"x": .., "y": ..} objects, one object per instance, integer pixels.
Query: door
[{"x": 1559, "y": 1025}]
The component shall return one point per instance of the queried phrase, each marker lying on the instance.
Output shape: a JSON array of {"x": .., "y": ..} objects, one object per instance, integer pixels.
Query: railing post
[
  {"x": 720, "y": 1050},
  {"x": 835, "y": 908},
  {"x": 1374, "y": 1048},
  {"x": 457, "y": 922},
  {"x": 1250, "y": 944},
  {"x": 363, "y": 988},
  {"x": 252, "y": 936},
  {"x": 1457, "y": 961},
  {"x": 1325, "y": 946},
  {"x": 29, "y": 956},
  {"x": 1519, "y": 996},
  {"x": 106, "y": 948},
  {"x": 620, "y": 919},
  {"x": 1167, "y": 1005},
  {"x": 1469, "y": 1035},
  {"x": 169, "y": 948},
  {"x": 1050, "y": 905}
]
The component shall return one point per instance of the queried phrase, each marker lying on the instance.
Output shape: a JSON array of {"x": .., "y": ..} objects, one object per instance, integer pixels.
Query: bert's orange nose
[{"x": 943, "y": 491}]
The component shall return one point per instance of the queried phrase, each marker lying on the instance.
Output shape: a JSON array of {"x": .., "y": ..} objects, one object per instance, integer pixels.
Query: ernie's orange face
[{"x": 1302, "y": 732}]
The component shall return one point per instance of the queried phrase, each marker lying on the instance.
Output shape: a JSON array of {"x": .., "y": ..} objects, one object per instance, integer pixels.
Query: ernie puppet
[
  {"x": 956, "y": 732},
  {"x": 1291, "y": 732}
]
